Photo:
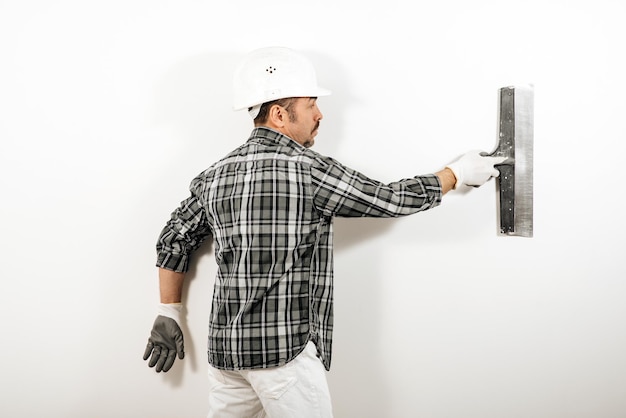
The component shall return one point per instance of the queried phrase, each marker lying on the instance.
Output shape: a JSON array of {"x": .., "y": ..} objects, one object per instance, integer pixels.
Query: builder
[{"x": 268, "y": 207}]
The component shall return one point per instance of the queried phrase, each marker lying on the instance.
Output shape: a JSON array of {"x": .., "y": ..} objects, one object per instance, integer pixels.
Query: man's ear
[{"x": 277, "y": 115}]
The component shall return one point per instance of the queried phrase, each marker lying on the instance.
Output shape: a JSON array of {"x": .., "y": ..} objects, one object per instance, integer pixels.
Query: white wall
[{"x": 108, "y": 109}]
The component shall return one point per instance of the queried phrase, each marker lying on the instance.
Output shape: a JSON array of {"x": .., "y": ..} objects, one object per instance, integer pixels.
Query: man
[{"x": 268, "y": 206}]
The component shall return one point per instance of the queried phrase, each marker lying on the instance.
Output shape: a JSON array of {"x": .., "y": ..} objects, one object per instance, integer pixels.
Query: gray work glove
[{"x": 166, "y": 338}]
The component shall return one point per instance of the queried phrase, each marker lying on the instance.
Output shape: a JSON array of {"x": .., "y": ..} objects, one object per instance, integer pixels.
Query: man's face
[{"x": 305, "y": 121}]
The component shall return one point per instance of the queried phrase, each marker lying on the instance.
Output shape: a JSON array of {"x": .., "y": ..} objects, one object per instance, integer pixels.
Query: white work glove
[
  {"x": 474, "y": 168},
  {"x": 166, "y": 338}
]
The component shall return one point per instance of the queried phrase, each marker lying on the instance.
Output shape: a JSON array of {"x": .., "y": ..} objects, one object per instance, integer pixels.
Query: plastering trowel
[{"x": 515, "y": 183}]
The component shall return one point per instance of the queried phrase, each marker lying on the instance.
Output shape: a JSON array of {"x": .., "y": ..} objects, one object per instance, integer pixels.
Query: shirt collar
[{"x": 263, "y": 134}]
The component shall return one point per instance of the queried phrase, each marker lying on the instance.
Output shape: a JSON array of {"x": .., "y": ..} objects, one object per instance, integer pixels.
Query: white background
[{"x": 109, "y": 108}]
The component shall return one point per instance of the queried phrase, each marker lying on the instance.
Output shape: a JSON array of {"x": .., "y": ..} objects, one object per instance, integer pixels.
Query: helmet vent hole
[{"x": 270, "y": 69}]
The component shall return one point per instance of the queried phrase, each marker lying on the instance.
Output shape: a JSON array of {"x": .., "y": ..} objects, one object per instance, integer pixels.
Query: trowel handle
[{"x": 508, "y": 161}]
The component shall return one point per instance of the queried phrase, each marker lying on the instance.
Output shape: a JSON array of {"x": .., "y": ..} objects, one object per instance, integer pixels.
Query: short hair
[{"x": 287, "y": 103}]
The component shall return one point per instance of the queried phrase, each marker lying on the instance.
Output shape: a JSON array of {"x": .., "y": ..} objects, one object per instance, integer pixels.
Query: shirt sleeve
[
  {"x": 183, "y": 233},
  {"x": 344, "y": 192}
]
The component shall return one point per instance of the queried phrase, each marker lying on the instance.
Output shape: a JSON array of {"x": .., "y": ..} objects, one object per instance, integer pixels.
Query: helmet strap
[{"x": 254, "y": 111}]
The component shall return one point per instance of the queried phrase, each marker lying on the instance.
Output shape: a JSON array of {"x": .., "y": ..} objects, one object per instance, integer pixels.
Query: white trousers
[{"x": 296, "y": 390}]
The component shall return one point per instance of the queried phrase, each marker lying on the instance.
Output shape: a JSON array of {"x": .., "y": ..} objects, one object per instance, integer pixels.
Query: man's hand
[
  {"x": 475, "y": 169},
  {"x": 166, "y": 339}
]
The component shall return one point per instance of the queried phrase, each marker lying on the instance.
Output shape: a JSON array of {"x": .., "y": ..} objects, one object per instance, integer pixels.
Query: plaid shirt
[{"x": 269, "y": 206}]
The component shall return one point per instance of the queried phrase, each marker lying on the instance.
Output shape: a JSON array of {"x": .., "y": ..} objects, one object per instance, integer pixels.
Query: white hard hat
[{"x": 273, "y": 73}]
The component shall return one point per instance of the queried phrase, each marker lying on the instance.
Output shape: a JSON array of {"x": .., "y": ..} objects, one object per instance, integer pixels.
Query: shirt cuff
[{"x": 175, "y": 262}]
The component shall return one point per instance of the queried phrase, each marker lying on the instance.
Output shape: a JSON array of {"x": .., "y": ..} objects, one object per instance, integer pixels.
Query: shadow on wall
[
  {"x": 357, "y": 380},
  {"x": 359, "y": 383}
]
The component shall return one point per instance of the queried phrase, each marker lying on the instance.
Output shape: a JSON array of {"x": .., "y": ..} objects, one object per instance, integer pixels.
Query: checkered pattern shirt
[{"x": 268, "y": 207}]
